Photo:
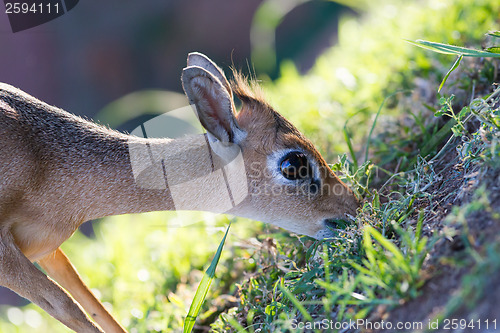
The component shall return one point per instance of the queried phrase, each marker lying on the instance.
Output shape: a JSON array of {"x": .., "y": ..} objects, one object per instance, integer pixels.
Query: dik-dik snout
[{"x": 300, "y": 193}]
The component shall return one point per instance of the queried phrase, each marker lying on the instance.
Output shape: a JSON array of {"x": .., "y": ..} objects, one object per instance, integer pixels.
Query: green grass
[
  {"x": 201, "y": 292},
  {"x": 147, "y": 271},
  {"x": 378, "y": 260},
  {"x": 460, "y": 52}
]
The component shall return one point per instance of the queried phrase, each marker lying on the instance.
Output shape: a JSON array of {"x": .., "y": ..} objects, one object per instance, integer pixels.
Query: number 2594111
[{"x": 31, "y": 8}]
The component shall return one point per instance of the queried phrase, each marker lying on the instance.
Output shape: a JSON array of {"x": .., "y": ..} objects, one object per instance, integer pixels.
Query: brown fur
[{"x": 58, "y": 170}]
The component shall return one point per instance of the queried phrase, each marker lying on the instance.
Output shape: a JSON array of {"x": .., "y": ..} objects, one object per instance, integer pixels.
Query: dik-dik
[{"x": 58, "y": 170}]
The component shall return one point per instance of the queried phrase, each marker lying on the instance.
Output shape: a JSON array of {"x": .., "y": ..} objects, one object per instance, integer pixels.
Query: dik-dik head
[{"x": 289, "y": 183}]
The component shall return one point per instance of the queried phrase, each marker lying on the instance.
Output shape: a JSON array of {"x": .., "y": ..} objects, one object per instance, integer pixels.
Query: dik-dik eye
[{"x": 295, "y": 166}]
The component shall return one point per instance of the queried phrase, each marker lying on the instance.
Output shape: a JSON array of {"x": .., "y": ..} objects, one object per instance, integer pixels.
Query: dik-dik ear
[
  {"x": 213, "y": 102},
  {"x": 201, "y": 60}
]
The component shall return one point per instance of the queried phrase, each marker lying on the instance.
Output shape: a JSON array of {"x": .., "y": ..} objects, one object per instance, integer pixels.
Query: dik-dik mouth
[
  {"x": 330, "y": 226},
  {"x": 330, "y": 223},
  {"x": 336, "y": 223}
]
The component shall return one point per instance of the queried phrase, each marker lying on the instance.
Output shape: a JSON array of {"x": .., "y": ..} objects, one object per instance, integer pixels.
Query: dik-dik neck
[
  {"x": 85, "y": 171},
  {"x": 135, "y": 175}
]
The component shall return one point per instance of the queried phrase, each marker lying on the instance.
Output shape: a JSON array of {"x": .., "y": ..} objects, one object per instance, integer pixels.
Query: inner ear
[
  {"x": 213, "y": 103},
  {"x": 201, "y": 60}
]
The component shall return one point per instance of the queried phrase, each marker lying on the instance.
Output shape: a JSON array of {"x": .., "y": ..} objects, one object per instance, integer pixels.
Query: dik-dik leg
[
  {"x": 20, "y": 275},
  {"x": 60, "y": 269}
]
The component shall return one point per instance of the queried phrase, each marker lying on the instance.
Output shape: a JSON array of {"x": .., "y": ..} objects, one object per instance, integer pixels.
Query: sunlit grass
[
  {"x": 146, "y": 269},
  {"x": 201, "y": 292},
  {"x": 375, "y": 261}
]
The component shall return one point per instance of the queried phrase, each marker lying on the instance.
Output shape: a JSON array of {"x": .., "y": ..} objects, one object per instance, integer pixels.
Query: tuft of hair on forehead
[
  {"x": 252, "y": 96},
  {"x": 248, "y": 90}
]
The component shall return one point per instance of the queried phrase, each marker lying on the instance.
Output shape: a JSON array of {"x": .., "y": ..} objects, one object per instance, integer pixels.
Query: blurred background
[
  {"x": 100, "y": 52},
  {"x": 321, "y": 63}
]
